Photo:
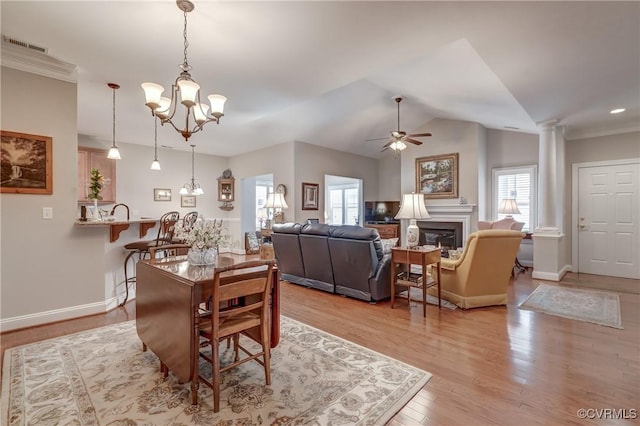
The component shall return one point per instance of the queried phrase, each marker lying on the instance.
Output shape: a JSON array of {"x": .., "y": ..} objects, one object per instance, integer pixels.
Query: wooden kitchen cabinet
[{"x": 91, "y": 158}]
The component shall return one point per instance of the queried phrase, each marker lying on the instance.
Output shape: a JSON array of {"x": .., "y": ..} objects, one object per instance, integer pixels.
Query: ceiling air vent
[{"x": 24, "y": 44}]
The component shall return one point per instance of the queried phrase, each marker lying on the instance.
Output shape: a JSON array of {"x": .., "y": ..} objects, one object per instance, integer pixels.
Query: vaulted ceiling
[{"x": 326, "y": 73}]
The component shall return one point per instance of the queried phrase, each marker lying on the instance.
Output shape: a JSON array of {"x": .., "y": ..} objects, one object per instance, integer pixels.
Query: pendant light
[
  {"x": 155, "y": 165},
  {"x": 114, "y": 152}
]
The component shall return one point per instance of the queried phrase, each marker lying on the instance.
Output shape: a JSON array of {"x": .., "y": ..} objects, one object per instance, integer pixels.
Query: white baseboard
[
  {"x": 39, "y": 318},
  {"x": 551, "y": 276}
]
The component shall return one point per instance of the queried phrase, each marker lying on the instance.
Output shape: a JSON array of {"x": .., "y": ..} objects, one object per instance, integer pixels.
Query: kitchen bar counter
[{"x": 117, "y": 226}]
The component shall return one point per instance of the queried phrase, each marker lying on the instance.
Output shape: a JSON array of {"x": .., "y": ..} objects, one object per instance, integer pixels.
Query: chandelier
[
  {"x": 195, "y": 113},
  {"x": 191, "y": 188}
]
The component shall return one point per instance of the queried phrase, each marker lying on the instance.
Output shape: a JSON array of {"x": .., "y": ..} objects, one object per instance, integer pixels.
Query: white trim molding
[
  {"x": 35, "y": 62},
  {"x": 39, "y": 318},
  {"x": 450, "y": 208}
]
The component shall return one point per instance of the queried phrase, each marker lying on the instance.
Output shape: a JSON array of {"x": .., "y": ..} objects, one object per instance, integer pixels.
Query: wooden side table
[{"x": 415, "y": 256}]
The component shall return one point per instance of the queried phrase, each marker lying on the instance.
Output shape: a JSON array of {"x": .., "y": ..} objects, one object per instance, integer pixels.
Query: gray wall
[
  {"x": 449, "y": 136},
  {"x": 313, "y": 162},
  {"x": 47, "y": 264},
  {"x": 389, "y": 178}
]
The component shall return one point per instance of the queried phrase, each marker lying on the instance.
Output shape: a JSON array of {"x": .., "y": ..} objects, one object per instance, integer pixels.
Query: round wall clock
[{"x": 281, "y": 189}]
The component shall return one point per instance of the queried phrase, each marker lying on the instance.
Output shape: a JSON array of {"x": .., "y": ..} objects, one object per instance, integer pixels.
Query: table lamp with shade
[
  {"x": 413, "y": 208},
  {"x": 509, "y": 207},
  {"x": 276, "y": 201}
]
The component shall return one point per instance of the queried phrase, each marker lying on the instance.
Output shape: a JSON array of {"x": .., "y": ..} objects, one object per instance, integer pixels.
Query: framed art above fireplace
[{"x": 437, "y": 176}]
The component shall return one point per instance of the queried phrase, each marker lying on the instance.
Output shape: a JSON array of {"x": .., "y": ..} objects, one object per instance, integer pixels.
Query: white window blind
[{"x": 520, "y": 184}]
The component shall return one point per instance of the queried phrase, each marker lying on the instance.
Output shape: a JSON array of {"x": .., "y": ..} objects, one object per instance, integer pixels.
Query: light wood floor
[{"x": 495, "y": 365}]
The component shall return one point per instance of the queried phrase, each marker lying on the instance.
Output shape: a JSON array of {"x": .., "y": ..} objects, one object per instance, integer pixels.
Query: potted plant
[{"x": 96, "y": 181}]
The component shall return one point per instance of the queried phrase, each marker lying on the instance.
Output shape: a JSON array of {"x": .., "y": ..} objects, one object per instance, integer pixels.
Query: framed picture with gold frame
[
  {"x": 27, "y": 164},
  {"x": 437, "y": 176}
]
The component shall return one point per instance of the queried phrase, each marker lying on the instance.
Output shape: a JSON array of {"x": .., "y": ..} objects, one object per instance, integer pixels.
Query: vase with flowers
[
  {"x": 96, "y": 182},
  {"x": 204, "y": 238}
]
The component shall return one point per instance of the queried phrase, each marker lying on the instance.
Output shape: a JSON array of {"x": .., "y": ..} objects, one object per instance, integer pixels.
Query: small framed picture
[
  {"x": 161, "y": 194},
  {"x": 187, "y": 201},
  {"x": 310, "y": 196}
]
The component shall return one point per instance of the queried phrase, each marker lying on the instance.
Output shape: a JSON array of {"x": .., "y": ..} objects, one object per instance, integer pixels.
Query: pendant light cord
[
  {"x": 155, "y": 140},
  {"x": 193, "y": 180},
  {"x": 114, "y": 116}
]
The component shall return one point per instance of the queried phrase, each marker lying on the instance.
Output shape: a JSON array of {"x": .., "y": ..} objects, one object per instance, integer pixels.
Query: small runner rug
[
  {"x": 598, "y": 307},
  {"x": 102, "y": 377}
]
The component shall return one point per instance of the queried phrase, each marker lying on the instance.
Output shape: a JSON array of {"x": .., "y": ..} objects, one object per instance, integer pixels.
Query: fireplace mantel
[{"x": 450, "y": 208}]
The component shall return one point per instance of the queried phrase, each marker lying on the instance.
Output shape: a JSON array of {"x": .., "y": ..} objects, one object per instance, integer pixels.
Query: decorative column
[
  {"x": 547, "y": 176},
  {"x": 548, "y": 242}
]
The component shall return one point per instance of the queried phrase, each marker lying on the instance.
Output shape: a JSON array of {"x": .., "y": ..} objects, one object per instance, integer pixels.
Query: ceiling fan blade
[
  {"x": 413, "y": 141},
  {"x": 384, "y": 149},
  {"x": 376, "y": 139},
  {"x": 420, "y": 135},
  {"x": 388, "y": 144}
]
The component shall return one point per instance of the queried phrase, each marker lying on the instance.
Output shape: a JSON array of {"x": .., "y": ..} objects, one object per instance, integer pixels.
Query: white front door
[{"x": 608, "y": 220}]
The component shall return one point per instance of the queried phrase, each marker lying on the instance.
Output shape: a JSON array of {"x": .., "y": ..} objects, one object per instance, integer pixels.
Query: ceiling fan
[{"x": 398, "y": 137}]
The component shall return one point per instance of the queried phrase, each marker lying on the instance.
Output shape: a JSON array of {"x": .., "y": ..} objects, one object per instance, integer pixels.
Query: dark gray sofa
[{"x": 342, "y": 259}]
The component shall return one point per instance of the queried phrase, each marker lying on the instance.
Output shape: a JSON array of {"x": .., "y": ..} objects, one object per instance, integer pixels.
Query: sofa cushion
[
  {"x": 287, "y": 228},
  {"x": 321, "y": 229},
  {"x": 355, "y": 232}
]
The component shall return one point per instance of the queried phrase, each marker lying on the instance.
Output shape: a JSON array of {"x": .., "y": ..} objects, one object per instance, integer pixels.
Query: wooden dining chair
[
  {"x": 188, "y": 221},
  {"x": 241, "y": 306}
]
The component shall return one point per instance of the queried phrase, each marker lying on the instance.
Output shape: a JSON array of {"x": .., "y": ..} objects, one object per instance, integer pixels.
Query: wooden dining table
[{"x": 168, "y": 295}]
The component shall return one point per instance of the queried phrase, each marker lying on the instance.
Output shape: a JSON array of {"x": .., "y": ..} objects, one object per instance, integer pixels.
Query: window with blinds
[{"x": 519, "y": 184}]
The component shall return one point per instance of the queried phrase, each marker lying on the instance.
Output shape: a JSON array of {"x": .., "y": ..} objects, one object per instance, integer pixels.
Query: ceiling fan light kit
[
  {"x": 399, "y": 138},
  {"x": 196, "y": 113}
]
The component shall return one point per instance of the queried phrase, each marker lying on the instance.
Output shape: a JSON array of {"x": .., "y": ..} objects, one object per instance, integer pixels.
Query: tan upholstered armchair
[
  {"x": 505, "y": 223},
  {"x": 481, "y": 275}
]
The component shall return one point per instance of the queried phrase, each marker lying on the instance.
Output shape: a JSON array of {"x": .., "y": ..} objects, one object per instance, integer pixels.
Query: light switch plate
[{"x": 47, "y": 212}]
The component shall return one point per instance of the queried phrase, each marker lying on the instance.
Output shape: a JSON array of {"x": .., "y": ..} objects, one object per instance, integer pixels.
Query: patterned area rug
[
  {"x": 598, "y": 307},
  {"x": 102, "y": 377}
]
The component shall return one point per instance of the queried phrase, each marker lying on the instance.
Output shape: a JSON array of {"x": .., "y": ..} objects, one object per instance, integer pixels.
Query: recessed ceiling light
[{"x": 617, "y": 110}]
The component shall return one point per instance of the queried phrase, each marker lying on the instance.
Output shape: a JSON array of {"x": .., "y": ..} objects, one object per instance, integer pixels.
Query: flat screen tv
[{"x": 381, "y": 211}]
